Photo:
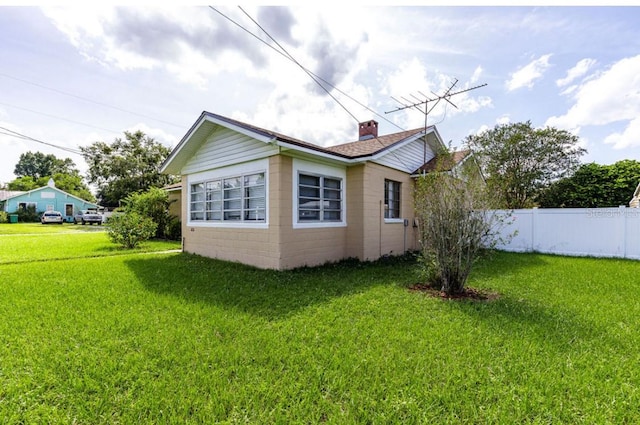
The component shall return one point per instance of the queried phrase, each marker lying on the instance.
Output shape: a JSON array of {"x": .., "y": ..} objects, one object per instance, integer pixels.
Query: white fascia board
[{"x": 202, "y": 120}]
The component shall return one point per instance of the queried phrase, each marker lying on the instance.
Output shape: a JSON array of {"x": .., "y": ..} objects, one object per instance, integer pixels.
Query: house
[
  {"x": 262, "y": 198},
  {"x": 635, "y": 201},
  {"x": 174, "y": 193},
  {"x": 47, "y": 198}
]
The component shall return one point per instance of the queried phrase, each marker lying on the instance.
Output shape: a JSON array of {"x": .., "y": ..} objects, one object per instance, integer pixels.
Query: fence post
[{"x": 534, "y": 218}]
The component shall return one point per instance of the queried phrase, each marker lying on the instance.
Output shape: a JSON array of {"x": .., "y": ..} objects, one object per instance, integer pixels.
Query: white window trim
[
  {"x": 253, "y": 167},
  {"x": 301, "y": 166},
  {"x": 394, "y": 220}
]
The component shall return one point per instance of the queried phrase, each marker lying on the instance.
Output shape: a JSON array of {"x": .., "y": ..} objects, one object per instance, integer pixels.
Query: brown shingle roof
[
  {"x": 355, "y": 149},
  {"x": 443, "y": 163},
  {"x": 372, "y": 146}
]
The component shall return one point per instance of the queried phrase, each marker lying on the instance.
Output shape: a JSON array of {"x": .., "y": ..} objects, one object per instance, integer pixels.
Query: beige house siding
[
  {"x": 259, "y": 247},
  {"x": 386, "y": 237},
  {"x": 367, "y": 235},
  {"x": 304, "y": 246}
]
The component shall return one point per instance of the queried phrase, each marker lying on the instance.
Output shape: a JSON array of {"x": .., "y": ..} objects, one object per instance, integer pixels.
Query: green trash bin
[{"x": 13, "y": 218}]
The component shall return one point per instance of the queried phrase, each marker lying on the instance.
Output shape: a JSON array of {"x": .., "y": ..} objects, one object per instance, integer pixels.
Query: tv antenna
[{"x": 430, "y": 103}]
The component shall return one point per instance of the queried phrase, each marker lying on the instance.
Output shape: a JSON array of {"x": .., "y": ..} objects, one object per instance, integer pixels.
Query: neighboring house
[
  {"x": 262, "y": 198},
  {"x": 47, "y": 198},
  {"x": 635, "y": 201},
  {"x": 174, "y": 193}
]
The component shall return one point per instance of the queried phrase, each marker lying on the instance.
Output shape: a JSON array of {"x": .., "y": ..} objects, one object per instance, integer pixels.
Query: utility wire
[
  {"x": 314, "y": 77},
  {"x": 382, "y": 117},
  {"x": 106, "y": 105},
  {"x": 309, "y": 73},
  {"x": 12, "y": 133},
  {"x": 59, "y": 118}
]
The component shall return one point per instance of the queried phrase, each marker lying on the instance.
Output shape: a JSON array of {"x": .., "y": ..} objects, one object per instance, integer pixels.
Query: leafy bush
[
  {"x": 130, "y": 228},
  {"x": 455, "y": 226},
  {"x": 28, "y": 214},
  {"x": 4, "y": 217},
  {"x": 154, "y": 204},
  {"x": 173, "y": 230}
]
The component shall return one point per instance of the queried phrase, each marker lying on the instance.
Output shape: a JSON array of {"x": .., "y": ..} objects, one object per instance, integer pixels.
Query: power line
[
  {"x": 106, "y": 105},
  {"x": 12, "y": 133},
  {"x": 315, "y": 80},
  {"x": 382, "y": 117},
  {"x": 59, "y": 118}
]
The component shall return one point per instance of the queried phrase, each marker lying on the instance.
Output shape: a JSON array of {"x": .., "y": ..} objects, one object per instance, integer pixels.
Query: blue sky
[{"x": 73, "y": 75}]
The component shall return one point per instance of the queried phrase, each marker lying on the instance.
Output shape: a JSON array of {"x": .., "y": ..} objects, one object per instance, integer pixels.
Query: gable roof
[
  {"x": 352, "y": 152},
  {"x": 18, "y": 194}
]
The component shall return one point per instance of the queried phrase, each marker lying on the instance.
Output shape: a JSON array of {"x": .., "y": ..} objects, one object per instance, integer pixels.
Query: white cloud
[
  {"x": 528, "y": 74},
  {"x": 580, "y": 69},
  {"x": 612, "y": 96},
  {"x": 630, "y": 137},
  {"x": 159, "y": 135},
  {"x": 410, "y": 82},
  {"x": 476, "y": 75},
  {"x": 504, "y": 119}
]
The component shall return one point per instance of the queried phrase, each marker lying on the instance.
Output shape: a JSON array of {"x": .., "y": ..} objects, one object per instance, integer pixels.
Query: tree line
[{"x": 126, "y": 166}]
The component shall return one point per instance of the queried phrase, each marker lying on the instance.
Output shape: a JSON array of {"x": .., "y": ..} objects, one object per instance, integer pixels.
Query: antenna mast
[{"x": 426, "y": 100}]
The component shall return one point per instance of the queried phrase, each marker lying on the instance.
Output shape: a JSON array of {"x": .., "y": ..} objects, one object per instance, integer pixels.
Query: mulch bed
[{"x": 468, "y": 293}]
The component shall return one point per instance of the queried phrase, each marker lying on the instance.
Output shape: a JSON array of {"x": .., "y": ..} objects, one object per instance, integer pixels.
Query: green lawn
[
  {"x": 30, "y": 242},
  {"x": 177, "y": 338}
]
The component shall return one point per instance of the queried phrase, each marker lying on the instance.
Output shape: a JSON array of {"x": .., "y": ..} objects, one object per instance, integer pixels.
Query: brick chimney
[{"x": 368, "y": 130}]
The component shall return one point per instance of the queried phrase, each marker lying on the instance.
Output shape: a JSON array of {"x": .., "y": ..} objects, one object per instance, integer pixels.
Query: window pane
[
  {"x": 235, "y": 204},
  {"x": 255, "y": 191},
  {"x": 232, "y": 215},
  {"x": 309, "y": 180},
  {"x": 214, "y": 215},
  {"x": 254, "y": 179},
  {"x": 331, "y": 183},
  {"x": 333, "y": 215},
  {"x": 331, "y": 194}
]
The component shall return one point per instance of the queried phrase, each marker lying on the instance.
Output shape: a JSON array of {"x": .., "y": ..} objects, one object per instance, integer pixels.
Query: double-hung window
[
  {"x": 391, "y": 199},
  {"x": 237, "y": 198},
  {"x": 319, "y": 198}
]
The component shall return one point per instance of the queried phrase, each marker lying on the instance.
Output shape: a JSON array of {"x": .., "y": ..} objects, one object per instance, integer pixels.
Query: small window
[
  {"x": 391, "y": 199},
  {"x": 319, "y": 198}
]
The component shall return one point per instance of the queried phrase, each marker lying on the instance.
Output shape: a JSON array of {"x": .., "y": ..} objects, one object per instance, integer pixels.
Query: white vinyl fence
[{"x": 597, "y": 232}]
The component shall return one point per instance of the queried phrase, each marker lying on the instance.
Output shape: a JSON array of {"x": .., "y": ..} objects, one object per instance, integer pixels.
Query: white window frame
[
  {"x": 398, "y": 219},
  {"x": 319, "y": 170},
  {"x": 235, "y": 171}
]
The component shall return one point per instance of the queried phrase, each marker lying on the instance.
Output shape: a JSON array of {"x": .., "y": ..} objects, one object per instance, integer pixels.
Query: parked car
[
  {"x": 86, "y": 216},
  {"x": 51, "y": 217}
]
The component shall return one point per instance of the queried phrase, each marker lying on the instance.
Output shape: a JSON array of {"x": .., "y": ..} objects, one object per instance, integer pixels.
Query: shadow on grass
[
  {"x": 516, "y": 313},
  {"x": 267, "y": 293}
]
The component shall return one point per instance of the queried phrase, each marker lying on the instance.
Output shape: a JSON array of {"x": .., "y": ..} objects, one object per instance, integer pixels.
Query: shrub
[
  {"x": 173, "y": 230},
  {"x": 455, "y": 226},
  {"x": 4, "y": 217},
  {"x": 129, "y": 229},
  {"x": 154, "y": 204},
  {"x": 28, "y": 214}
]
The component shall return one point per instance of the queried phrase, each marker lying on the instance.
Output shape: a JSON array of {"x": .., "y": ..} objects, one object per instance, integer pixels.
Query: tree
[
  {"x": 70, "y": 183},
  {"x": 518, "y": 161},
  {"x": 455, "y": 226},
  {"x": 37, "y": 165},
  {"x": 125, "y": 166},
  {"x": 594, "y": 186}
]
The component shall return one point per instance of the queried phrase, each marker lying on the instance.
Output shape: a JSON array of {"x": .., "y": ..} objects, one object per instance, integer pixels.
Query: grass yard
[
  {"x": 177, "y": 338},
  {"x": 30, "y": 242}
]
